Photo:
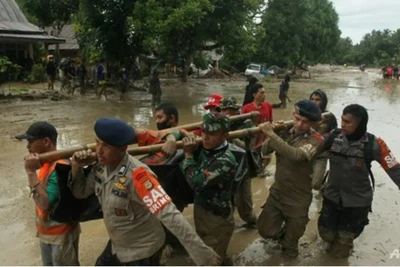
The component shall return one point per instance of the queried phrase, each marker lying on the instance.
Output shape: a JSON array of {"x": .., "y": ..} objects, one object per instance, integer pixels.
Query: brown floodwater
[{"x": 74, "y": 120}]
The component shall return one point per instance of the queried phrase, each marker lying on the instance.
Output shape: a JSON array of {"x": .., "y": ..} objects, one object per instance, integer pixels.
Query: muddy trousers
[
  {"x": 244, "y": 201},
  {"x": 339, "y": 226},
  {"x": 66, "y": 254},
  {"x": 214, "y": 230},
  {"x": 107, "y": 258},
  {"x": 283, "y": 223}
]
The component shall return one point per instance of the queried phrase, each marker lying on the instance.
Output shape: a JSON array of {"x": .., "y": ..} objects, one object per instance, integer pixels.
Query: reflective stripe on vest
[{"x": 44, "y": 225}]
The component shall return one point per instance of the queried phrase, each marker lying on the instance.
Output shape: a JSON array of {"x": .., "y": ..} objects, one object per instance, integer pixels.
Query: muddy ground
[{"x": 74, "y": 120}]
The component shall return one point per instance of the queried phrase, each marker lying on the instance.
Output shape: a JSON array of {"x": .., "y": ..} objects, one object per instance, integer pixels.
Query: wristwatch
[{"x": 33, "y": 192}]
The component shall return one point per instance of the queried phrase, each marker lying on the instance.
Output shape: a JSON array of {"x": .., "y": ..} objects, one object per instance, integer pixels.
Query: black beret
[
  {"x": 308, "y": 109},
  {"x": 114, "y": 132}
]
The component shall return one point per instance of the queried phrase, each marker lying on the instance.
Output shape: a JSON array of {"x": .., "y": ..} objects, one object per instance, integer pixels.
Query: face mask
[{"x": 163, "y": 125}]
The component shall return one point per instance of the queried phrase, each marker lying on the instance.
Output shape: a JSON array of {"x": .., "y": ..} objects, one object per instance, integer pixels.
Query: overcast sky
[{"x": 358, "y": 17}]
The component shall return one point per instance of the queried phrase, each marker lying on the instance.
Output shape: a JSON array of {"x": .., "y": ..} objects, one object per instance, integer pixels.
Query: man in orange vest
[{"x": 58, "y": 241}]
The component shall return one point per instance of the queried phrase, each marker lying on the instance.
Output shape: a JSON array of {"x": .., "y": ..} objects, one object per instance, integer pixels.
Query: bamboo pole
[
  {"x": 194, "y": 126},
  {"x": 232, "y": 135},
  {"x": 134, "y": 151},
  {"x": 68, "y": 152}
]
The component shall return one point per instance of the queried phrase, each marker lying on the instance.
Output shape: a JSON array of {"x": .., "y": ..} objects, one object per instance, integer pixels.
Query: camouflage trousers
[
  {"x": 283, "y": 223},
  {"x": 215, "y": 231}
]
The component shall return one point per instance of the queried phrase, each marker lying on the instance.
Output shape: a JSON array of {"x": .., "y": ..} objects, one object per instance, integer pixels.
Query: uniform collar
[
  {"x": 305, "y": 135},
  {"x": 120, "y": 170},
  {"x": 216, "y": 150}
]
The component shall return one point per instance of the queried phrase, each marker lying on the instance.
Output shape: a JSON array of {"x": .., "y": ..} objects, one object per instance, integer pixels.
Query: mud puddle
[{"x": 74, "y": 120}]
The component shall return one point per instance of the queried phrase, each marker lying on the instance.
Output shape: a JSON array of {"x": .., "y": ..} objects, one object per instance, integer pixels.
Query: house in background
[
  {"x": 69, "y": 49},
  {"x": 18, "y": 35}
]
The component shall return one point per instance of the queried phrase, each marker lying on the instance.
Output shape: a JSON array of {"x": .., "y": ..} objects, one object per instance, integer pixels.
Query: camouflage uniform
[
  {"x": 290, "y": 195},
  {"x": 211, "y": 174},
  {"x": 243, "y": 194}
]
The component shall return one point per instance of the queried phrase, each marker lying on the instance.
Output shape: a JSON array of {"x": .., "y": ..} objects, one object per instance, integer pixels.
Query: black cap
[{"x": 39, "y": 130}]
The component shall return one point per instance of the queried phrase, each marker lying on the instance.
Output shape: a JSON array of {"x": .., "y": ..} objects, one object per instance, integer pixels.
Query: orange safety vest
[{"x": 44, "y": 225}]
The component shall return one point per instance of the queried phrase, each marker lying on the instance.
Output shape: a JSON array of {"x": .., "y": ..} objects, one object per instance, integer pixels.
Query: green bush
[
  {"x": 37, "y": 74},
  {"x": 8, "y": 70}
]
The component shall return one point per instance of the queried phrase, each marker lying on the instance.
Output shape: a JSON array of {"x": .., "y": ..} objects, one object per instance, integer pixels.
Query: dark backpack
[{"x": 368, "y": 151}]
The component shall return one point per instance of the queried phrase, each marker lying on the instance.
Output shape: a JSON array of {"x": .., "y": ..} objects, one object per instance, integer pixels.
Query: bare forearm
[
  {"x": 40, "y": 197},
  {"x": 76, "y": 172}
]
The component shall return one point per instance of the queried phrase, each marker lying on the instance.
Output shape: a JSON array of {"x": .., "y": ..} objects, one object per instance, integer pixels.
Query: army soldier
[
  {"x": 290, "y": 195},
  {"x": 133, "y": 202},
  {"x": 243, "y": 196},
  {"x": 324, "y": 126},
  {"x": 210, "y": 171},
  {"x": 348, "y": 192},
  {"x": 59, "y": 242}
]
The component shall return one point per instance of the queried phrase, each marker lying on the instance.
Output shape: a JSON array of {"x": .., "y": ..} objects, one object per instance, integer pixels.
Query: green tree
[
  {"x": 344, "y": 52},
  {"x": 103, "y": 25},
  {"x": 297, "y": 31},
  {"x": 178, "y": 29},
  {"x": 322, "y": 32},
  {"x": 378, "y": 48}
]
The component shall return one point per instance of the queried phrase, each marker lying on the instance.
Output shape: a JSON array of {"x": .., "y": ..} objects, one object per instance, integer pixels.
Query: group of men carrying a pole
[{"x": 135, "y": 206}]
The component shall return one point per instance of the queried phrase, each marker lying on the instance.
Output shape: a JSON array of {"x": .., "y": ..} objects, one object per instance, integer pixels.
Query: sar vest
[{"x": 44, "y": 225}]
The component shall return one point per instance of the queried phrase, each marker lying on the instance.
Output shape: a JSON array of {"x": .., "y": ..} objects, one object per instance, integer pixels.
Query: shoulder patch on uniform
[
  {"x": 141, "y": 173},
  {"x": 388, "y": 160},
  {"x": 149, "y": 190}
]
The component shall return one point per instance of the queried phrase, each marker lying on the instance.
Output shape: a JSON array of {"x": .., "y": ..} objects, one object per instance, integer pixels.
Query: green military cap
[
  {"x": 214, "y": 122},
  {"x": 229, "y": 102}
]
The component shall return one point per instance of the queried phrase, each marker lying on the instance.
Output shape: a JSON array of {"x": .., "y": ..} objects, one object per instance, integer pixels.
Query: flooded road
[{"x": 74, "y": 121}]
